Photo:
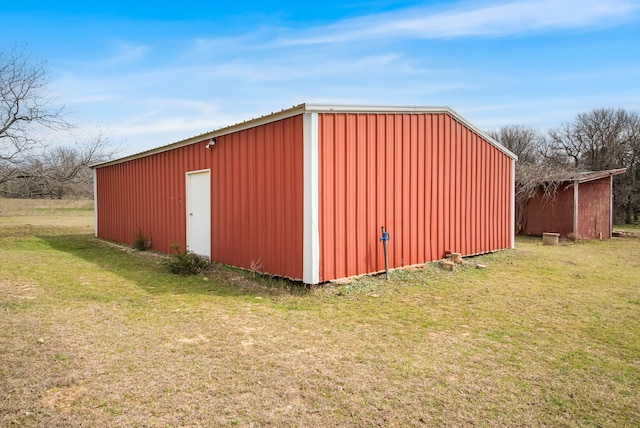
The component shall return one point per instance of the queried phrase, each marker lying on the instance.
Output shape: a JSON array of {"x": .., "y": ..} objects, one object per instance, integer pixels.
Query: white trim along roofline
[{"x": 308, "y": 108}]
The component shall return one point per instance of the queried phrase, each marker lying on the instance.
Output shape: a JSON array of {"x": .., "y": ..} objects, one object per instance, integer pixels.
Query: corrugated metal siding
[
  {"x": 257, "y": 198},
  {"x": 554, "y": 216},
  {"x": 594, "y": 209},
  {"x": 148, "y": 195},
  {"x": 433, "y": 183},
  {"x": 256, "y": 185}
]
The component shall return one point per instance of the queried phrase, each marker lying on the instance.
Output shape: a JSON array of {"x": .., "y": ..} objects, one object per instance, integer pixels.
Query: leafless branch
[
  {"x": 25, "y": 107},
  {"x": 58, "y": 171}
]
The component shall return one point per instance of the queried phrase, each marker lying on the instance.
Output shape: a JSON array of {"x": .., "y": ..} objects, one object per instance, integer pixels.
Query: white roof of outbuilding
[{"x": 308, "y": 108}]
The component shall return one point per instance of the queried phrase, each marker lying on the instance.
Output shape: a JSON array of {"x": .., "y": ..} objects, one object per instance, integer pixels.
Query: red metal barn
[
  {"x": 581, "y": 209},
  {"x": 303, "y": 193}
]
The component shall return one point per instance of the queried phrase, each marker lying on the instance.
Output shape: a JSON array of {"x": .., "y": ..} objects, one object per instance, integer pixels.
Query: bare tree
[
  {"x": 523, "y": 141},
  {"x": 603, "y": 139},
  {"x": 59, "y": 171},
  {"x": 25, "y": 109},
  {"x": 28, "y": 168},
  {"x": 596, "y": 140},
  {"x": 627, "y": 186},
  {"x": 565, "y": 148}
]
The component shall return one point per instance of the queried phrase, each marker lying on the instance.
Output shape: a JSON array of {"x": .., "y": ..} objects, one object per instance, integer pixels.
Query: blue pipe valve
[{"x": 385, "y": 236}]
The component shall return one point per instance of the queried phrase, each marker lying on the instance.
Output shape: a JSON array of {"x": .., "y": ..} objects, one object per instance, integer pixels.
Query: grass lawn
[
  {"x": 92, "y": 334},
  {"x": 633, "y": 228}
]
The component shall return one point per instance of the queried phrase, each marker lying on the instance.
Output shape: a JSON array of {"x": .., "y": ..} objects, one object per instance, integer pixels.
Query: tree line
[{"x": 28, "y": 167}]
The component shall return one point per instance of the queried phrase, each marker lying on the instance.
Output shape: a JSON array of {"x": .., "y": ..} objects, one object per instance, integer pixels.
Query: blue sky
[{"x": 152, "y": 73}]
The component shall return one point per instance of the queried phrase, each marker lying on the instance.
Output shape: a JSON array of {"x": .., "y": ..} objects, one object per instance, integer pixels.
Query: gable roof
[{"x": 308, "y": 108}]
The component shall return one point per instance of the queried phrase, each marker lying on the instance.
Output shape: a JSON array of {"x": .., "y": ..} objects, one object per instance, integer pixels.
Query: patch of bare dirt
[
  {"x": 624, "y": 234},
  {"x": 62, "y": 399},
  {"x": 18, "y": 290}
]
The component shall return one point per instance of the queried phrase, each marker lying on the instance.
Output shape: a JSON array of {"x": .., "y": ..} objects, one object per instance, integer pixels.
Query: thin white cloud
[
  {"x": 220, "y": 47},
  {"x": 468, "y": 19},
  {"x": 543, "y": 113},
  {"x": 154, "y": 117},
  {"x": 163, "y": 125},
  {"x": 151, "y": 97},
  {"x": 92, "y": 98},
  {"x": 126, "y": 54},
  {"x": 306, "y": 66}
]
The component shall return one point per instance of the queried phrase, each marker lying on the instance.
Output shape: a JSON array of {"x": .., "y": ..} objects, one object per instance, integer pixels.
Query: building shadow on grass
[{"x": 149, "y": 270}]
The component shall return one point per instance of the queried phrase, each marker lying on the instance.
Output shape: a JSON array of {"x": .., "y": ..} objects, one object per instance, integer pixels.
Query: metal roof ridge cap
[{"x": 354, "y": 108}]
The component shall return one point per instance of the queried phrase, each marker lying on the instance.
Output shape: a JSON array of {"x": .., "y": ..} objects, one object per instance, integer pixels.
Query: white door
[{"x": 199, "y": 213}]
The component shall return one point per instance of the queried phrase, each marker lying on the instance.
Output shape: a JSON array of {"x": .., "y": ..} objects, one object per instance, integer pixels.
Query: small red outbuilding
[
  {"x": 582, "y": 207},
  {"x": 303, "y": 193}
]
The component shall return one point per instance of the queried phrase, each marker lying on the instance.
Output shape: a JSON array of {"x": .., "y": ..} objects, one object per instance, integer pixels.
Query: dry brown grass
[
  {"x": 72, "y": 213},
  {"x": 95, "y": 336},
  {"x": 50, "y": 207}
]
